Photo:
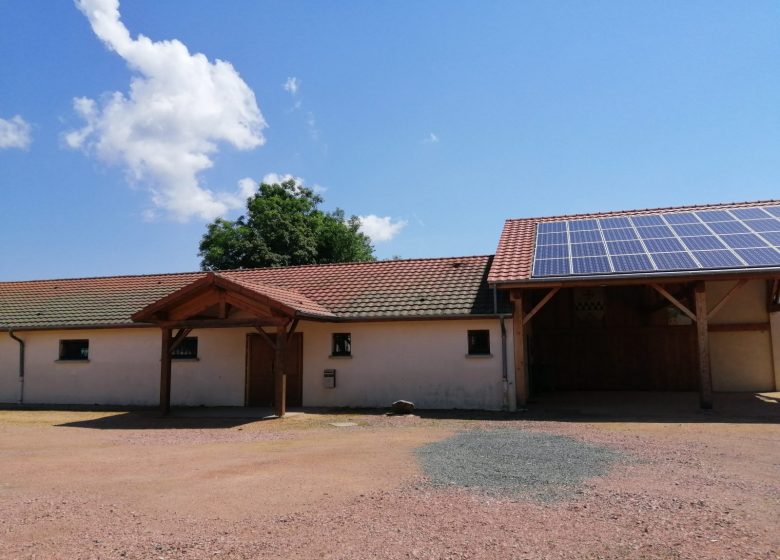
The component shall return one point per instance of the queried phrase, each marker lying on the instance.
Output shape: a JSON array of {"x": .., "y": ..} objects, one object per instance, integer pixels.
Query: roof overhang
[
  {"x": 213, "y": 301},
  {"x": 633, "y": 279}
]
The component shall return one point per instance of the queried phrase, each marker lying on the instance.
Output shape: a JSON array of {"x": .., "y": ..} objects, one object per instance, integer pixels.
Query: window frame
[
  {"x": 180, "y": 357},
  {"x": 63, "y": 356},
  {"x": 335, "y": 352},
  {"x": 474, "y": 349}
]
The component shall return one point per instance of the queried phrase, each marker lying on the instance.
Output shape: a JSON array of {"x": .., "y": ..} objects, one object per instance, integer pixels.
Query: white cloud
[
  {"x": 165, "y": 130},
  {"x": 431, "y": 139},
  {"x": 291, "y": 85},
  {"x": 380, "y": 228},
  {"x": 14, "y": 133}
]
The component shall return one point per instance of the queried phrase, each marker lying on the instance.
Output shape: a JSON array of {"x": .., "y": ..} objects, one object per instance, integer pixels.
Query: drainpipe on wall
[
  {"x": 508, "y": 401},
  {"x": 21, "y": 364}
]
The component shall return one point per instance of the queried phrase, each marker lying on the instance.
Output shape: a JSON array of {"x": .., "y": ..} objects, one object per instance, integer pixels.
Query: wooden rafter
[
  {"x": 718, "y": 306},
  {"x": 774, "y": 295},
  {"x": 674, "y": 301}
]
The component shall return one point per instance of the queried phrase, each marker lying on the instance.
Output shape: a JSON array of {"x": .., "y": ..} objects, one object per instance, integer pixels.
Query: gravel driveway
[{"x": 515, "y": 462}]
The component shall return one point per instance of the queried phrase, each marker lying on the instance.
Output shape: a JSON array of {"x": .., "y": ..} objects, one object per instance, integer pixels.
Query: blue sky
[{"x": 437, "y": 119}]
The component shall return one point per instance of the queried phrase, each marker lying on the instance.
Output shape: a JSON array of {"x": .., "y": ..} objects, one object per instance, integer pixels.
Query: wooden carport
[
  {"x": 218, "y": 301},
  {"x": 676, "y": 289}
]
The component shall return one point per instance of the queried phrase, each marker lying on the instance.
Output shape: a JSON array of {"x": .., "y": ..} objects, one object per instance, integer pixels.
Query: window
[
  {"x": 187, "y": 350},
  {"x": 479, "y": 343},
  {"x": 342, "y": 344},
  {"x": 73, "y": 350}
]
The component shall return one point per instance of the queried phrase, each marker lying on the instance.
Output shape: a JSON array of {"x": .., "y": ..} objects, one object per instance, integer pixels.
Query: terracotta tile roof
[
  {"x": 413, "y": 288},
  {"x": 514, "y": 257}
]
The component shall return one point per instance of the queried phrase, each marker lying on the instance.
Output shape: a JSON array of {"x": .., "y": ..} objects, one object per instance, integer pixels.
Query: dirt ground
[{"x": 77, "y": 484}]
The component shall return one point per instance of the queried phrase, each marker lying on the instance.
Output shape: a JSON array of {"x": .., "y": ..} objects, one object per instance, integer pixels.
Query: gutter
[{"x": 21, "y": 363}]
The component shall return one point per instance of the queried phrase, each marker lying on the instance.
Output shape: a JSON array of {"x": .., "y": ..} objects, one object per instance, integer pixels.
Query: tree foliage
[{"x": 283, "y": 226}]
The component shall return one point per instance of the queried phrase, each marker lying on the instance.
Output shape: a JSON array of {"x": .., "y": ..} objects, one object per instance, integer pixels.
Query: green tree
[{"x": 283, "y": 226}]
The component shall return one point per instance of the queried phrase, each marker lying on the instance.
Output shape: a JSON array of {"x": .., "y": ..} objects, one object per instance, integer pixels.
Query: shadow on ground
[{"x": 747, "y": 408}]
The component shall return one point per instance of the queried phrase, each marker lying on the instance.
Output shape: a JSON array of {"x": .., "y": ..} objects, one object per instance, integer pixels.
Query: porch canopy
[
  {"x": 218, "y": 301},
  {"x": 672, "y": 251}
]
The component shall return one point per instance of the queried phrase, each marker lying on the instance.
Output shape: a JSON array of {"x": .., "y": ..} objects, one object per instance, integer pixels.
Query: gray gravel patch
[{"x": 508, "y": 462}]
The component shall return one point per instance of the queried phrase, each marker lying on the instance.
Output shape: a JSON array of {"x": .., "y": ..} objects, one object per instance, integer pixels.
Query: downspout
[
  {"x": 504, "y": 373},
  {"x": 21, "y": 364}
]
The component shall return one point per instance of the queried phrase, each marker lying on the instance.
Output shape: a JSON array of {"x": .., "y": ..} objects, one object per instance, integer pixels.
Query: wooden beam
[
  {"x": 291, "y": 330},
  {"x": 703, "y": 345},
  {"x": 194, "y": 306},
  {"x": 739, "y": 327},
  {"x": 539, "y": 305},
  {"x": 178, "y": 339},
  {"x": 165, "y": 372},
  {"x": 774, "y": 295},
  {"x": 217, "y": 323},
  {"x": 280, "y": 376},
  {"x": 718, "y": 306},
  {"x": 264, "y": 336},
  {"x": 521, "y": 369},
  {"x": 677, "y": 303}
]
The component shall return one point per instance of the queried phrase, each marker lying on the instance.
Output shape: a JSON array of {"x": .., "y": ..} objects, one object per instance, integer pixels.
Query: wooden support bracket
[
  {"x": 718, "y": 306},
  {"x": 539, "y": 305},
  {"x": 677, "y": 303}
]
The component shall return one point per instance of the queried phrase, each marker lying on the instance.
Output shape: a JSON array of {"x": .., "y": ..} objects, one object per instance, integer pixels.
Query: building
[{"x": 674, "y": 299}]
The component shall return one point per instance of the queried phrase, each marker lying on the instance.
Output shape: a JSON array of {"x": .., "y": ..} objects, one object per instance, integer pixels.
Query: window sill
[
  {"x": 71, "y": 361},
  {"x": 335, "y": 357},
  {"x": 478, "y": 356}
]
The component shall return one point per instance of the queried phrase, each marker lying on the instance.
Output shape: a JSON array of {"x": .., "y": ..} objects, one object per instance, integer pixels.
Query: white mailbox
[{"x": 329, "y": 378}]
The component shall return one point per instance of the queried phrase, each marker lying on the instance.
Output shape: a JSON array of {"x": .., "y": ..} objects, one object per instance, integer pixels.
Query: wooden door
[{"x": 260, "y": 371}]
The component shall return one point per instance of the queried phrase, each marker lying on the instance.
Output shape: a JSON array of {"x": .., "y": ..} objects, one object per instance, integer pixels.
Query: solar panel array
[{"x": 665, "y": 242}]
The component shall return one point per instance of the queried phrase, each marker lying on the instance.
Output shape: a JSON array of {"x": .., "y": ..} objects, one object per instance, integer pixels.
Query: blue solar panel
[
  {"x": 772, "y": 237},
  {"x": 663, "y": 245},
  {"x": 551, "y": 227},
  {"x": 760, "y": 257},
  {"x": 692, "y": 229},
  {"x": 551, "y": 239},
  {"x": 587, "y": 249},
  {"x": 614, "y": 223},
  {"x": 625, "y": 247},
  {"x": 715, "y": 216},
  {"x": 770, "y": 224},
  {"x": 651, "y": 220},
  {"x": 589, "y": 236},
  {"x": 590, "y": 265},
  {"x": 551, "y": 267},
  {"x": 728, "y": 227},
  {"x": 681, "y": 218},
  {"x": 750, "y": 213},
  {"x": 632, "y": 263},
  {"x": 712, "y": 239},
  {"x": 581, "y": 225},
  {"x": 619, "y": 234},
  {"x": 552, "y": 251},
  {"x": 654, "y": 232},
  {"x": 717, "y": 259},
  {"x": 703, "y": 243},
  {"x": 674, "y": 261},
  {"x": 743, "y": 240}
]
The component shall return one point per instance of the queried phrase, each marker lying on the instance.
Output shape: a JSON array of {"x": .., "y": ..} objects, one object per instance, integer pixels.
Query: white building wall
[
  {"x": 123, "y": 369},
  {"x": 742, "y": 360},
  {"x": 422, "y": 361}
]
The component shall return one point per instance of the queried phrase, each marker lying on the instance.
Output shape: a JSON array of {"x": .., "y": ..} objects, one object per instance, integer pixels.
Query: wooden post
[
  {"x": 165, "y": 372},
  {"x": 280, "y": 376},
  {"x": 703, "y": 344},
  {"x": 521, "y": 369}
]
